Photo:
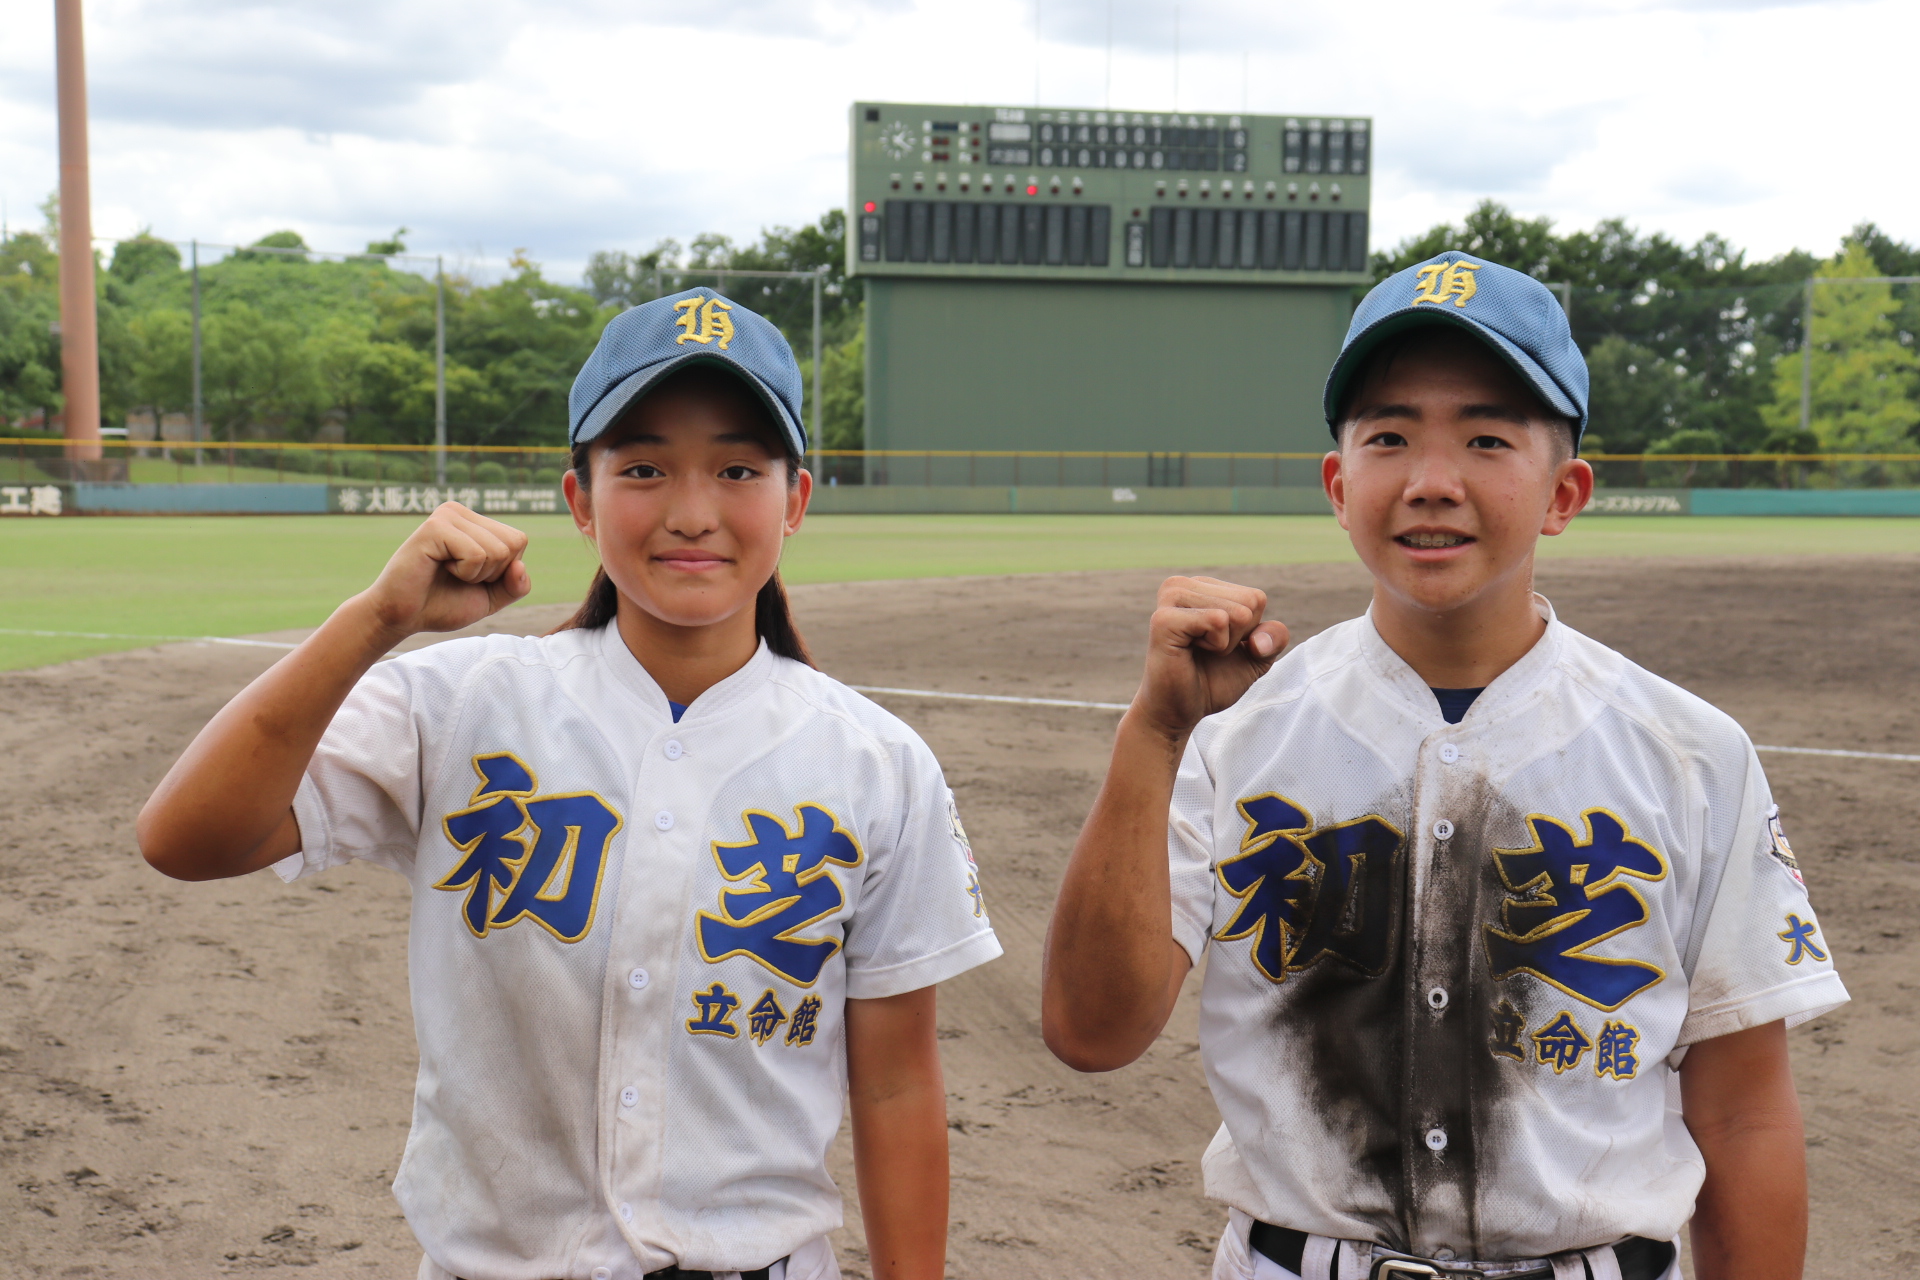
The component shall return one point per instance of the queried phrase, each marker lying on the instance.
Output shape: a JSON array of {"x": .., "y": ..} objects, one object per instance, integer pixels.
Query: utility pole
[
  {"x": 1806, "y": 359},
  {"x": 198, "y": 432},
  {"x": 819, "y": 409},
  {"x": 440, "y": 371},
  {"x": 79, "y": 331}
]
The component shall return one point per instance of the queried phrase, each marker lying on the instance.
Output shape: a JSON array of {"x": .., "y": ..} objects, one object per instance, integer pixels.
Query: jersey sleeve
[
  {"x": 1758, "y": 954},
  {"x": 921, "y": 917},
  {"x": 1190, "y": 850},
  {"x": 362, "y": 794}
]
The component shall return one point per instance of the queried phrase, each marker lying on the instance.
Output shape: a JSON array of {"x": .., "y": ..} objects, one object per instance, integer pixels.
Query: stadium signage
[
  {"x": 419, "y": 499},
  {"x": 32, "y": 500}
]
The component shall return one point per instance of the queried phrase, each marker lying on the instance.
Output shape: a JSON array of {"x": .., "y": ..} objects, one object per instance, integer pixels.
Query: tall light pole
[
  {"x": 440, "y": 372},
  {"x": 819, "y": 410},
  {"x": 79, "y": 332}
]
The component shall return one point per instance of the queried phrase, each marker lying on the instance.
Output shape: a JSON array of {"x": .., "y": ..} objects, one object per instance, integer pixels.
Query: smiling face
[
  {"x": 689, "y": 503},
  {"x": 1449, "y": 469}
]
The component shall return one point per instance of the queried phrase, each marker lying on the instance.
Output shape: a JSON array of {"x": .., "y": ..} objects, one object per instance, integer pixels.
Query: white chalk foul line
[
  {"x": 874, "y": 688},
  {"x": 110, "y": 635},
  {"x": 990, "y": 697},
  {"x": 1121, "y": 706},
  {"x": 1829, "y": 751}
]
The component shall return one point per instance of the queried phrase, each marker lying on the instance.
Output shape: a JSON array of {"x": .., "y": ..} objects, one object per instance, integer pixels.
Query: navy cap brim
[
  {"x": 1354, "y": 357},
  {"x": 625, "y": 392}
]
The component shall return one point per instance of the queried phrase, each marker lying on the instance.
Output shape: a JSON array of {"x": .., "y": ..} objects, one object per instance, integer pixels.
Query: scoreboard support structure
[{"x": 1102, "y": 280}]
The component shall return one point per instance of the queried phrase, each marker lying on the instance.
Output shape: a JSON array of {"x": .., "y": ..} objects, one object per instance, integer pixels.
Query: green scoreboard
[{"x": 1081, "y": 280}]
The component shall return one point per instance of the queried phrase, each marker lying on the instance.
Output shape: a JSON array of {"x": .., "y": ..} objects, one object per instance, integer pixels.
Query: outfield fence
[{"x": 33, "y": 460}]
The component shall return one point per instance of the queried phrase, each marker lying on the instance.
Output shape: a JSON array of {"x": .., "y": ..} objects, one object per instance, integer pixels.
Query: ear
[
  {"x": 1334, "y": 480},
  {"x": 1572, "y": 490},
  {"x": 579, "y": 501},
  {"x": 797, "y": 499}
]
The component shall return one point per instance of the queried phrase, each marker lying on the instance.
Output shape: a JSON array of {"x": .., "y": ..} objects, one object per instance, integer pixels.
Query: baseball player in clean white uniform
[
  {"x": 650, "y": 884},
  {"x": 1502, "y": 931}
]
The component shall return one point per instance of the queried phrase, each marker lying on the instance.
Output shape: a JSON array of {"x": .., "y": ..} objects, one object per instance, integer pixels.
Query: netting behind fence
[{"x": 27, "y": 460}]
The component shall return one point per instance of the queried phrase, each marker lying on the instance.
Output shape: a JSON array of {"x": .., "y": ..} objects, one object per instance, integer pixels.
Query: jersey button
[
  {"x": 626, "y": 1212},
  {"x": 1442, "y": 830},
  {"x": 602, "y": 1273},
  {"x": 673, "y": 749},
  {"x": 1448, "y": 753},
  {"x": 1437, "y": 999},
  {"x": 629, "y": 1097},
  {"x": 1436, "y": 1139},
  {"x": 637, "y": 979},
  {"x": 664, "y": 820}
]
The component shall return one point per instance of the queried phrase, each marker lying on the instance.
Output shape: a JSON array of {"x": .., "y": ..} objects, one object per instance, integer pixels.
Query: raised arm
[
  {"x": 1112, "y": 968},
  {"x": 226, "y": 806}
]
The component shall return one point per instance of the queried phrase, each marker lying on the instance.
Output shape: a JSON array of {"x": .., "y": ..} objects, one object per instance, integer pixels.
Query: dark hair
[{"x": 772, "y": 615}]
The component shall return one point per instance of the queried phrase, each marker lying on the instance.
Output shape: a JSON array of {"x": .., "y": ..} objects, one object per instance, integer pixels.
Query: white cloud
[{"x": 565, "y": 127}]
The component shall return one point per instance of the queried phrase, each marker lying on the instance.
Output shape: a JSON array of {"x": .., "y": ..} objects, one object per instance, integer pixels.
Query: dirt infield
[{"x": 197, "y": 1080}]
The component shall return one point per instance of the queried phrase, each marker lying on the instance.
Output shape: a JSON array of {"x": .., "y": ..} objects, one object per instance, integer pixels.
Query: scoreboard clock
[{"x": 1087, "y": 280}]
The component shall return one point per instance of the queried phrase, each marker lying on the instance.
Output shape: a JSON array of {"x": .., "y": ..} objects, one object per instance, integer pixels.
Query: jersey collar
[
  {"x": 1507, "y": 689},
  {"x": 720, "y": 699}
]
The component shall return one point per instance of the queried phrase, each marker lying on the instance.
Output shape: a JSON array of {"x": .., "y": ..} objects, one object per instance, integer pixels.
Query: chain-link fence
[{"x": 26, "y": 460}]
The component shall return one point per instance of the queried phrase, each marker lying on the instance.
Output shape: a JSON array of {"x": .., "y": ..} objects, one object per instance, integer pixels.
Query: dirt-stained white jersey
[
  {"x": 632, "y": 941},
  {"x": 1452, "y": 968}
]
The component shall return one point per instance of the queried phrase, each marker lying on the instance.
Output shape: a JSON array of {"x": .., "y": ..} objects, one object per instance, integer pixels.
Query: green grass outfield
[{"x": 237, "y": 575}]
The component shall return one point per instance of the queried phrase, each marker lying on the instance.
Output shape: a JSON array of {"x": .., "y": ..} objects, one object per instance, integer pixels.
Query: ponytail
[{"x": 772, "y": 615}]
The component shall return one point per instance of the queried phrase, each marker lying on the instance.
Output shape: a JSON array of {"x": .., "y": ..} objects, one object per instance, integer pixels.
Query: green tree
[
  {"x": 162, "y": 362},
  {"x": 143, "y": 256},
  {"x": 1637, "y": 395},
  {"x": 1682, "y": 474},
  {"x": 258, "y": 374},
  {"x": 1864, "y": 379},
  {"x": 29, "y": 307},
  {"x": 284, "y": 240}
]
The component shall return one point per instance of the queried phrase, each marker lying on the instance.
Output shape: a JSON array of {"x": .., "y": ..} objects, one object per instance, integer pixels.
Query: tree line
[
  {"x": 296, "y": 347},
  {"x": 1692, "y": 348}
]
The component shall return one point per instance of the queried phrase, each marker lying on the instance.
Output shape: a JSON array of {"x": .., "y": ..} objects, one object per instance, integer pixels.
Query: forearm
[
  {"x": 1107, "y": 986},
  {"x": 1737, "y": 1095},
  {"x": 224, "y": 809},
  {"x": 899, "y": 1106},
  {"x": 1750, "y": 1221},
  {"x": 900, "y": 1161}
]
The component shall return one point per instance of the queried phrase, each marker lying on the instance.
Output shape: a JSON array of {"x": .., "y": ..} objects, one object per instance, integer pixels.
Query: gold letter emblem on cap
[
  {"x": 704, "y": 320},
  {"x": 1441, "y": 281}
]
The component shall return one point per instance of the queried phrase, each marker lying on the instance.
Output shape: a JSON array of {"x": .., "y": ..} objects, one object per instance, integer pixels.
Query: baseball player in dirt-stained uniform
[{"x": 1459, "y": 940}]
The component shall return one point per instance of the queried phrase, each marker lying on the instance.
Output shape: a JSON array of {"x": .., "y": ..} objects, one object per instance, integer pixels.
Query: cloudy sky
[{"x": 571, "y": 125}]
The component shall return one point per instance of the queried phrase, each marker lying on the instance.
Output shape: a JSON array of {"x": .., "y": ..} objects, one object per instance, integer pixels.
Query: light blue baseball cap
[
  {"x": 1510, "y": 311},
  {"x": 645, "y": 344}
]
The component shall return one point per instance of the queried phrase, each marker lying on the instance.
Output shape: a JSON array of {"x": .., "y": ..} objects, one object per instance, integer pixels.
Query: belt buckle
[
  {"x": 1403, "y": 1269},
  {"x": 1414, "y": 1269}
]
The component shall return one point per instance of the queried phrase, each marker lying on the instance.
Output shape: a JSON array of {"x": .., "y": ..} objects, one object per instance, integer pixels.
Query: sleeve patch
[{"x": 1777, "y": 845}]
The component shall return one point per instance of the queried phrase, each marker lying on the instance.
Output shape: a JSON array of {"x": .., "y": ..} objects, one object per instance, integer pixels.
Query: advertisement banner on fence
[
  {"x": 34, "y": 499},
  {"x": 419, "y": 499},
  {"x": 1641, "y": 502}
]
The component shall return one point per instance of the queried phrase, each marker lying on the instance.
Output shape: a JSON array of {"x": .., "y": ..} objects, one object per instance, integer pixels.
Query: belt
[
  {"x": 680, "y": 1273},
  {"x": 1639, "y": 1259}
]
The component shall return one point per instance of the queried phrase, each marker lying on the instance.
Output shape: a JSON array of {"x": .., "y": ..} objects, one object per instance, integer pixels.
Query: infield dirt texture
[{"x": 214, "y": 1079}]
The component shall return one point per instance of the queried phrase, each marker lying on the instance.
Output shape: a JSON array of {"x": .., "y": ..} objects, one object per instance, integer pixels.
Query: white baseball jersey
[
  {"x": 632, "y": 941},
  {"x": 1453, "y": 967}
]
